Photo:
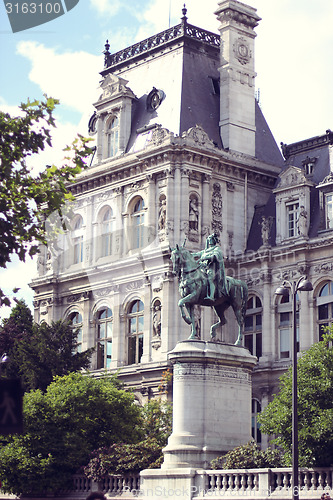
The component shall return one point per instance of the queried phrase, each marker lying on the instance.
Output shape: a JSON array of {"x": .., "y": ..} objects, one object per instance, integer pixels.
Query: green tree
[
  {"x": 50, "y": 350},
  {"x": 36, "y": 353},
  {"x": 18, "y": 325},
  {"x": 248, "y": 456},
  {"x": 62, "y": 427},
  {"x": 27, "y": 200},
  {"x": 315, "y": 407},
  {"x": 120, "y": 458}
]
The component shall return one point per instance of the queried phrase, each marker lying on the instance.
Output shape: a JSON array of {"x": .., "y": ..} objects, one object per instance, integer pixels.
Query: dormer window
[
  {"x": 112, "y": 137},
  {"x": 308, "y": 165}
]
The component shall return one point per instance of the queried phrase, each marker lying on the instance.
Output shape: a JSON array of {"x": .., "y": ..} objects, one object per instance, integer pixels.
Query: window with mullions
[
  {"x": 135, "y": 332},
  {"x": 75, "y": 319},
  {"x": 256, "y": 432},
  {"x": 113, "y": 137},
  {"x": 292, "y": 216},
  {"x": 107, "y": 233},
  {"x": 138, "y": 220},
  {"x": 285, "y": 326},
  {"x": 253, "y": 326},
  {"x": 104, "y": 338},
  {"x": 325, "y": 307},
  {"x": 329, "y": 211}
]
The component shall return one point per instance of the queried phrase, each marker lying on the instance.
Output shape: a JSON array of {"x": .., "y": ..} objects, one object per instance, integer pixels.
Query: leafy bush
[
  {"x": 123, "y": 459},
  {"x": 248, "y": 456}
]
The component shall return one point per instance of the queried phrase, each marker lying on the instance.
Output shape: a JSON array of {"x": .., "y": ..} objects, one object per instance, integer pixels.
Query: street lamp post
[{"x": 303, "y": 284}]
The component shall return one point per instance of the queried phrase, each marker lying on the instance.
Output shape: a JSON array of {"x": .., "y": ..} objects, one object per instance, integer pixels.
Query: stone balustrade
[
  {"x": 218, "y": 484},
  {"x": 263, "y": 483}
]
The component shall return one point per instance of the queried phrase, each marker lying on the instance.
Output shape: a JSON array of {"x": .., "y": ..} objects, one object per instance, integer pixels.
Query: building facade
[{"x": 182, "y": 150}]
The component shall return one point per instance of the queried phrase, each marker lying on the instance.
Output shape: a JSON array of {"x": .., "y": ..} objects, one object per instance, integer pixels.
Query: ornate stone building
[{"x": 182, "y": 150}]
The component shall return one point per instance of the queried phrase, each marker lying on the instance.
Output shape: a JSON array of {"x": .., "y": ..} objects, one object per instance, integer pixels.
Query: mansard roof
[{"x": 188, "y": 75}]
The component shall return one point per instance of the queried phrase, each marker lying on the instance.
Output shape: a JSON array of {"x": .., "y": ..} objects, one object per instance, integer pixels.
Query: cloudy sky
[{"x": 63, "y": 59}]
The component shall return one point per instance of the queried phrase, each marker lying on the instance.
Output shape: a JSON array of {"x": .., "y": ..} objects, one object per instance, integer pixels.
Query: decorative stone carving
[
  {"x": 160, "y": 135},
  {"x": 193, "y": 213},
  {"x": 217, "y": 208},
  {"x": 198, "y": 136},
  {"x": 157, "y": 318},
  {"x": 162, "y": 214},
  {"x": 266, "y": 225},
  {"x": 302, "y": 222},
  {"x": 242, "y": 51}
]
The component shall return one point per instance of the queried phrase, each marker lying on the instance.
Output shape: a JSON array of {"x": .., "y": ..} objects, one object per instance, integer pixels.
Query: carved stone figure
[
  {"x": 266, "y": 224},
  {"x": 196, "y": 279},
  {"x": 193, "y": 214},
  {"x": 162, "y": 215},
  {"x": 157, "y": 319},
  {"x": 302, "y": 222}
]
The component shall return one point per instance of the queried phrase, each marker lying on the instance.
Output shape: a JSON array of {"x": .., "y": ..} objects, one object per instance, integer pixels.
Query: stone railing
[
  {"x": 112, "y": 485},
  {"x": 161, "y": 39},
  {"x": 218, "y": 484},
  {"x": 262, "y": 483}
]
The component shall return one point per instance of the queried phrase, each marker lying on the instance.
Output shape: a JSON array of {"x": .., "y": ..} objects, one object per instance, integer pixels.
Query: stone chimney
[{"x": 237, "y": 75}]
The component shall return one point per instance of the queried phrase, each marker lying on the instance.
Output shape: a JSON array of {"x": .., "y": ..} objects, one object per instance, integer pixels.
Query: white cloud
[
  {"x": 61, "y": 75},
  {"x": 18, "y": 274},
  {"x": 110, "y": 7}
]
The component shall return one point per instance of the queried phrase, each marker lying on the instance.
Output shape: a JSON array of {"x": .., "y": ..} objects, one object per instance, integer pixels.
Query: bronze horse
[{"x": 193, "y": 284}]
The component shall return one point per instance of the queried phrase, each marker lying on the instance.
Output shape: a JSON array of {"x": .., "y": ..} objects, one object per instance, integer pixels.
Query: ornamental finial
[
  {"x": 184, "y": 11},
  {"x": 107, "y": 54}
]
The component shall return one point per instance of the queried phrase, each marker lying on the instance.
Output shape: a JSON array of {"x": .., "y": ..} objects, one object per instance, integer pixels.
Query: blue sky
[{"x": 63, "y": 58}]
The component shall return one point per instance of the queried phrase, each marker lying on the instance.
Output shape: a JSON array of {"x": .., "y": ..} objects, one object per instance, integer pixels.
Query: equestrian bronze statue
[{"x": 202, "y": 280}]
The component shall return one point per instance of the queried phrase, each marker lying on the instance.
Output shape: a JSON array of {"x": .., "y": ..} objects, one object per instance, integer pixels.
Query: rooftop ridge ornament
[
  {"x": 107, "y": 54},
  {"x": 184, "y": 12},
  {"x": 182, "y": 30}
]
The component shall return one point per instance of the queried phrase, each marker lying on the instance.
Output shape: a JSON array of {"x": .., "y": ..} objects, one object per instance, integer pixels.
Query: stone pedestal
[
  {"x": 211, "y": 410},
  {"x": 211, "y": 402}
]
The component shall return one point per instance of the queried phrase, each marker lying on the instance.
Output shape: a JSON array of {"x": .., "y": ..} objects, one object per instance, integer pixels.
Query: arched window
[
  {"x": 113, "y": 137},
  {"x": 75, "y": 319},
  {"x": 78, "y": 240},
  {"x": 285, "y": 319},
  {"x": 253, "y": 326},
  {"x": 135, "y": 332},
  {"x": 325, "y": 307},
  {"x": 104, "y": 338},
  {"x": 256, "y": 409},
  {"x": 107, "y": 233},
  {"x": 138, "y": 220}
]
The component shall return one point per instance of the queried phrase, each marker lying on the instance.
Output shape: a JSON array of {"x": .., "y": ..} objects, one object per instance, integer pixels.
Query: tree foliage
[
  {"x": 122, "y": 458},
  {"x": 248, "y": 456},
  {"x": 315, "y": 407},
  {"x": 63, "y": 426},
  {"x": 38, "y": 352},
  {"x": 27, "y": 200}
]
